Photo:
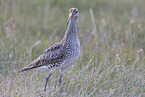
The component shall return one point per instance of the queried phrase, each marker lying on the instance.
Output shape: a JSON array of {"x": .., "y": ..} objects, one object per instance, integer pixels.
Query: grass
[{"x": 111, "y": 34}]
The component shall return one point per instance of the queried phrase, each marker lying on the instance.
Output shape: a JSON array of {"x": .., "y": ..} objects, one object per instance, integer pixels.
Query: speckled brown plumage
[
  {"x": 62, "y": 54},
  {"x": 54, "y": 56}
]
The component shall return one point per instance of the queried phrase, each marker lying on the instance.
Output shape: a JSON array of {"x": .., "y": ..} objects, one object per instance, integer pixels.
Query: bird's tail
[
  {"x": 29, "y": 67},
  {"x": 24, "y": 69},
  {"x": 32, "y": 66}
]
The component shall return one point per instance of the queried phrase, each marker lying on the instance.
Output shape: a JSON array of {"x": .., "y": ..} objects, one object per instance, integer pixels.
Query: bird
[{"x": 60, "y": 55}]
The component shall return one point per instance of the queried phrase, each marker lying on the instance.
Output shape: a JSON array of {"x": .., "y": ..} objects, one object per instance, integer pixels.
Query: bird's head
[{"x": 73, "y": 14}]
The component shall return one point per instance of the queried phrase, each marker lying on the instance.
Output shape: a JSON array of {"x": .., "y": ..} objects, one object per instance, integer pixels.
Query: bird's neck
[{"x": 71, "y": 32}]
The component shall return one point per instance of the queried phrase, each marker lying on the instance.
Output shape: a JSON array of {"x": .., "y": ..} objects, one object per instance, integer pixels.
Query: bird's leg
[
  {"x": 47, "y": 78},
  {"x": 60, "y": 81}
]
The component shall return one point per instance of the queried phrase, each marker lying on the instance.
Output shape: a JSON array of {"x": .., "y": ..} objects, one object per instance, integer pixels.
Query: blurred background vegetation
[{"x": 111, "y": 34}]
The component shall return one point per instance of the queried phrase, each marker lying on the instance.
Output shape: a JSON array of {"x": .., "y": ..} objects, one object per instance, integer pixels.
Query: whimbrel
[{"x": 60, "y": 55}]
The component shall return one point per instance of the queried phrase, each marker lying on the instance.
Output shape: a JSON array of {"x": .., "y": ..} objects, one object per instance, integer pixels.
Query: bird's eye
[{"x": 76, "y": 12}]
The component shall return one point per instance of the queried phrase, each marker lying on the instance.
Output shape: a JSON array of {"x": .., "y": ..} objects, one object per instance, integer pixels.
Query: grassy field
[{"x": 112, "y": 37}]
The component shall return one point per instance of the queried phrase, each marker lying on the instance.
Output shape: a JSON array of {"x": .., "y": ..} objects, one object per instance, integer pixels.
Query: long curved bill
[{"x": 69, "y": 18}]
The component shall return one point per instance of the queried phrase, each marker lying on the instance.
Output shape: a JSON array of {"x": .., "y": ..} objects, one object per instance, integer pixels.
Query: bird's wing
[{"x": 52, "y": 56}]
